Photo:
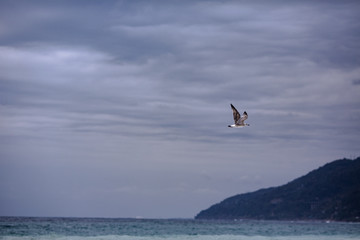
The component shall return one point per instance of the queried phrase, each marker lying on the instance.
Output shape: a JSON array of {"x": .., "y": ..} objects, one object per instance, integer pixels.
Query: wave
[{"x": 178, "y": 237}]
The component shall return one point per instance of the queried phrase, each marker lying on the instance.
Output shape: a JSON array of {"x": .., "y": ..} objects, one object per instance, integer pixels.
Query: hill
[{"x": 331, "y": 192}]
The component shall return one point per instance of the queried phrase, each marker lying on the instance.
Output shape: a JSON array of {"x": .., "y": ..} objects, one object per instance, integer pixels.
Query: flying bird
[{"x": 238, "y": 119}]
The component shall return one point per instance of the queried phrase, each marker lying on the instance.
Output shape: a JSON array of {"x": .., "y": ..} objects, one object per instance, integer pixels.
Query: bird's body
[{"x": 238, "y": 119}]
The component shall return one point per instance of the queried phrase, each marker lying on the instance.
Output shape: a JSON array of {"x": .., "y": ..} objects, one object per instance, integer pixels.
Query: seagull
[{"x": 239, "y": 120}]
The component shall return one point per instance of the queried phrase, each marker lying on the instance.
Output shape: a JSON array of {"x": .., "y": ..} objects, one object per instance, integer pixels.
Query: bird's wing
[
  {"x": 243, "y": 118},
  {"x": 236, "y": 114}
]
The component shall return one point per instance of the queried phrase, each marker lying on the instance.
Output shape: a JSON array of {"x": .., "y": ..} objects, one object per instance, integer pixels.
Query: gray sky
[{"x": 120, "y": 108}]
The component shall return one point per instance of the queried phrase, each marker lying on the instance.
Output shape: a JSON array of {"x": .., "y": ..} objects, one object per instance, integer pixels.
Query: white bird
[{"x": 238, "y": 119}]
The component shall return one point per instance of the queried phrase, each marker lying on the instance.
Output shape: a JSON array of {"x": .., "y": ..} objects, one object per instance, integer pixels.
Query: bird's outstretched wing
[
  {"x": 243, "y": 118},
  {"x": 236, "y": 114}
]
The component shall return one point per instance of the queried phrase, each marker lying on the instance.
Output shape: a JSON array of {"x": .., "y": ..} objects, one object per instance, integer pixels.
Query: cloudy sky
[{"x": 120, "y": 108}]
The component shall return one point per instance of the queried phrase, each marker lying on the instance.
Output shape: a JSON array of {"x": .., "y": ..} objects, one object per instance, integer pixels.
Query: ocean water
[{"x": 24, "y": 228}]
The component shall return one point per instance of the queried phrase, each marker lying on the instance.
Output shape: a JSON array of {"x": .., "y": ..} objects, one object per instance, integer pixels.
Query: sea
[{"x": 24, "y": 228}]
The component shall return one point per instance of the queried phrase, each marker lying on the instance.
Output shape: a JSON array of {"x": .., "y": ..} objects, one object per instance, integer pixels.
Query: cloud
[
  {"x": 138, "y": 94},
  {"x": 356, "y": 82}
]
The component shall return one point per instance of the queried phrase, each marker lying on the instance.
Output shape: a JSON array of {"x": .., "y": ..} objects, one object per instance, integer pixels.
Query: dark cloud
[{"x": 356, "y": 82}]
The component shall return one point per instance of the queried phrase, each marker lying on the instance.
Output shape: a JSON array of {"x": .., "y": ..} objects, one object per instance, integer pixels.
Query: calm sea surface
[{"x": 146, "y": 229}]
